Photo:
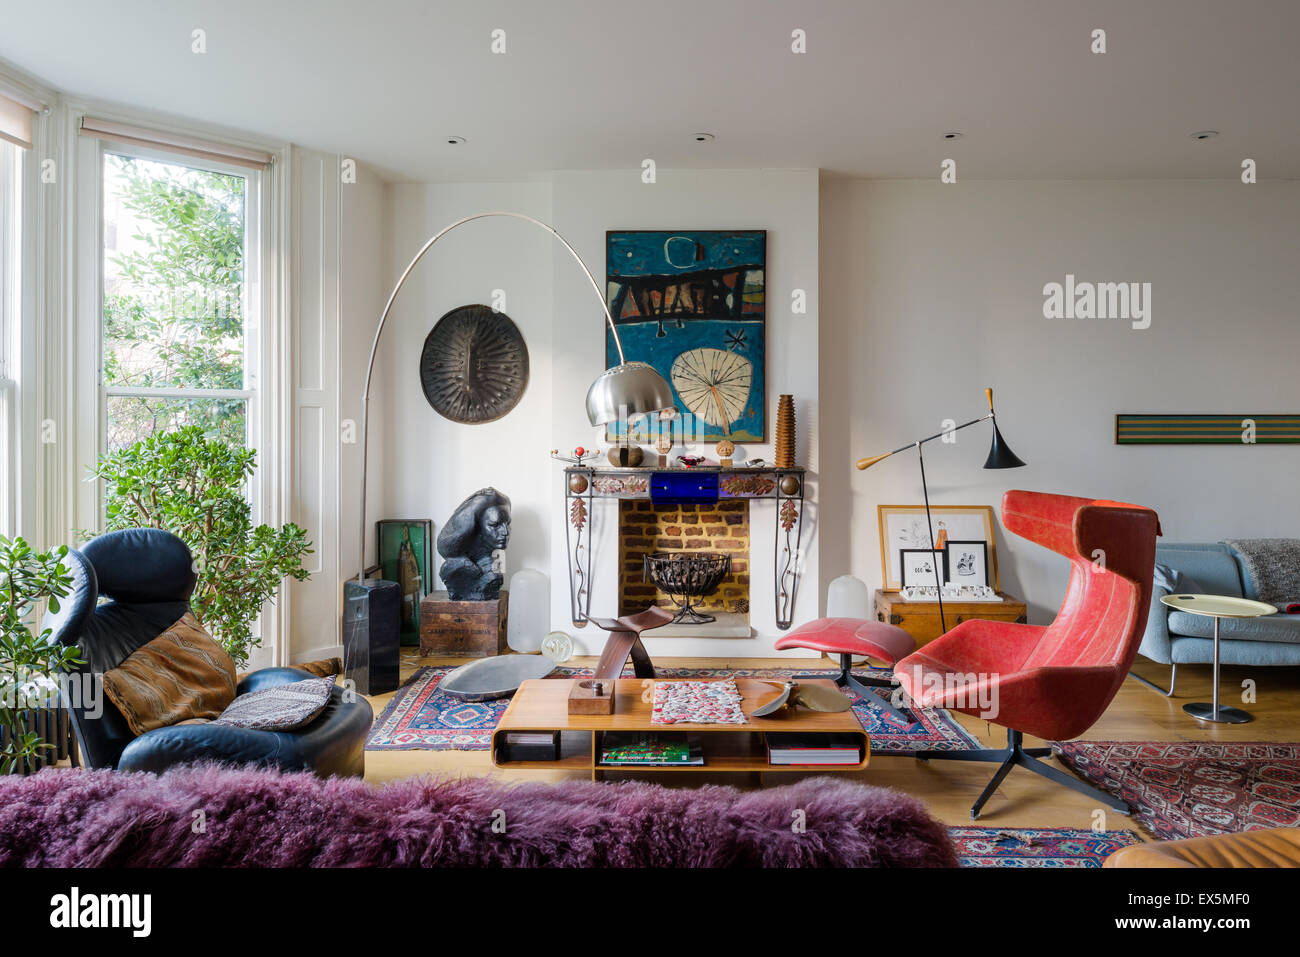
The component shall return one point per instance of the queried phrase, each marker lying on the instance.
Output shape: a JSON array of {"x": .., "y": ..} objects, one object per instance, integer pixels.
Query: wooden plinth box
[
  {"x": 592, "y": 697},
  {"x": 462, "y": 629},
  {"x": 920, "y": 619}
]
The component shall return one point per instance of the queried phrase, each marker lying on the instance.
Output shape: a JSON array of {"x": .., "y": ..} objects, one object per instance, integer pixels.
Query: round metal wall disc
[{"x": 474, "y": 366}]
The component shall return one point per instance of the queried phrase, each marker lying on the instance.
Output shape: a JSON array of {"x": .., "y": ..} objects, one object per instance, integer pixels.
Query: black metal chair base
[
  {"x": 1173, "y": 680},
  {"x": 1015, "y": 753},
  {"x": 847, "y": 679}
]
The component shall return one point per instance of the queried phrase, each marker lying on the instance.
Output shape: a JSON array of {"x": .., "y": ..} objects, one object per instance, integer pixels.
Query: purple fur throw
[{"x": 257, "y": 818}]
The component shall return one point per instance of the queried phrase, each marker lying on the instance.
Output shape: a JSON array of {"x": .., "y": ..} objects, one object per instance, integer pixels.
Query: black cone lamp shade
[{"x": 1000, "y": 455}]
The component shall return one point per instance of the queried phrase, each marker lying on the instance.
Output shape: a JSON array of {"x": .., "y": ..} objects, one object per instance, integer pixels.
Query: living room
[{"x": 420, "y": 406}]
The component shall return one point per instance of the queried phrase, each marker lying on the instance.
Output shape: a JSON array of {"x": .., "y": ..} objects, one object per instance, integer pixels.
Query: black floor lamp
[{"x": 1000, "y": 457}]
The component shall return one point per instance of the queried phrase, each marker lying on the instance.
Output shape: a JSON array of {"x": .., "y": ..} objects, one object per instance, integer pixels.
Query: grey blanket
[{"x": 1273, "y": 565}]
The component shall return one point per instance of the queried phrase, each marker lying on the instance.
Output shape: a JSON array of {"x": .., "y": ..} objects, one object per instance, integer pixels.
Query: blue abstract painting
[{"x": 692, "y": 304}]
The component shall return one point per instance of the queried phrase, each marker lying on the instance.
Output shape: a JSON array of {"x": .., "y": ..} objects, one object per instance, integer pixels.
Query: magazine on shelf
[
  {"x": 814, "y": 749},
  {"x": 655, "y": 750}
]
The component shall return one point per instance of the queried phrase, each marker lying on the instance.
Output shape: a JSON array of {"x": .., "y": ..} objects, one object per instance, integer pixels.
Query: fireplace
[
  {"x": 614, "y": 518},
  {"x": 647, "y": 528}
]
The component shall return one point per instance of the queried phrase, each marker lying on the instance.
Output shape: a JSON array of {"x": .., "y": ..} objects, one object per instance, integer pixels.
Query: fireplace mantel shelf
[
  {"x": 744, "y": 469},
  {"x": 668, "y": 484}
]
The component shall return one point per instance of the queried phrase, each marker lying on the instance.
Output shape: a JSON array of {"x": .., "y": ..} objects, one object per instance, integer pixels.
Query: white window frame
[
  {"x": 12, "y": 162},
  {"x": 251, "y": 295},
  {"x": 265, "y": 353}
]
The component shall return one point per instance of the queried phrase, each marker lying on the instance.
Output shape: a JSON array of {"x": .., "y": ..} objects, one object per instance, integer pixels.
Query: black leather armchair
[{"x": 148, "y": 575}]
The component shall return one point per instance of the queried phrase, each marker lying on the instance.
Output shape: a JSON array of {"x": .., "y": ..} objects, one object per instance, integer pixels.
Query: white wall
[
  {"x": 423, "y": 465},
  {"x": 932, "y": 292},
  {"x": 784, "y": 202}
]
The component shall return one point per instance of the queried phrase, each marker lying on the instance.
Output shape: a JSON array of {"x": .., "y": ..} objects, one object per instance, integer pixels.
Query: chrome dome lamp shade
[{"x": 628, "y": 389}]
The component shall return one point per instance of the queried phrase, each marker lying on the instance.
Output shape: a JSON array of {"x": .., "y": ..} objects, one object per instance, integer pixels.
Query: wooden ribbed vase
[{"x": 785, "y": 432}]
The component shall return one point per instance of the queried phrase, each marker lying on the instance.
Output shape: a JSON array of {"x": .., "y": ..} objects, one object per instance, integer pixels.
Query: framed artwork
[
  {"x": 966, "y": 562},
  {"x": 692, "y": 304},
  {"x": 405, "y": 551},
  {"x": 903, "y": 526},
  {"x": 1175, "y": 428},
  {"x": 918, "y": 565}
]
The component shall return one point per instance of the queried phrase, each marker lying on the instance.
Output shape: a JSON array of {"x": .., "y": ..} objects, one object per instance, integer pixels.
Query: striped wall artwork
[{"x": 1166, "y": 428}]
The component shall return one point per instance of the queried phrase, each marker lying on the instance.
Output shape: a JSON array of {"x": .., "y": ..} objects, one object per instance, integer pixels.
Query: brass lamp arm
[
  {"x": 383, "y": 319},
  {"x": 866, "y": 463}
]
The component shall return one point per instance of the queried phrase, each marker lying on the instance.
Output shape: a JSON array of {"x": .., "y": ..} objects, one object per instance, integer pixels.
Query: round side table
[{"x": 1216, "y": 607}]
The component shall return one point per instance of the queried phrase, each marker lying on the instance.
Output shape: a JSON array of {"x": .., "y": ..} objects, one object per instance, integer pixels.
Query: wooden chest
[
  {"x": 462, "y": 629},
  {"x": 921, "y": 619}
]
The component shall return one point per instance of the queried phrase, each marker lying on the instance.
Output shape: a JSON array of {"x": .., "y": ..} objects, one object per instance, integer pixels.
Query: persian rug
[
  {"x": 66, "y": 817},
  {"x": 1037, "y": 846},
  {"x": 1192, "y": 789},
  {"x": 420, "y": 718}
]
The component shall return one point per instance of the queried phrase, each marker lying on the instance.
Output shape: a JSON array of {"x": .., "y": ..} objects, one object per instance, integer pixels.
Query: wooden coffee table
[{"x": 542, "y": 705}]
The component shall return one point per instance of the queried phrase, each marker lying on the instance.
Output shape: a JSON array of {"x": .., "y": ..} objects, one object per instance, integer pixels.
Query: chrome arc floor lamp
[
  {"x": 371, "y": 643},
  {"x": 621, "y": 391}
]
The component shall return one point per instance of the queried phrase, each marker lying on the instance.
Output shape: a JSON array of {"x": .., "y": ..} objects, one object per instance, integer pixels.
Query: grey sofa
[{"x": 1177, "y": 637}]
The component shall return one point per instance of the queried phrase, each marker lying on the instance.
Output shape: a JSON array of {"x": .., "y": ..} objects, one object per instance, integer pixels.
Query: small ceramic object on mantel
[
  {"x": 664, "y": 447},
  {"x": 725, "y": 449},
  {"x": 625, "y": 456},
  {"x": 690, "y": 461}
]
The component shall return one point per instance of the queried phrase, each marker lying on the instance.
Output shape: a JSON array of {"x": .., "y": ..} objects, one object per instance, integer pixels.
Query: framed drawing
[
  {"x": 405, "y": 551},
  {"x": 966, "y": 563},
  {"x": 692, "y": 304},
  {"x": 918, "y": 565},
  {"x": 903, "y": 526}
]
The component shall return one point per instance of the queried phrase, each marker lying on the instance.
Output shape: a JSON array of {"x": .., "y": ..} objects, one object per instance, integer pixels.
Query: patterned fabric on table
[
  {"x": 1037, "y": 846},
  {"x": 698, "y": 702},
  {"x": 1188, "y": 789},
  {"x": 420, "y": 717}
]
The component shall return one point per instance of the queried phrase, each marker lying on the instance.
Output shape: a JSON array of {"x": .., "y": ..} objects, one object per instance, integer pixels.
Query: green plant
[
  {"x": 195, "y": 487},
  {"x": 28, "y": 661}
]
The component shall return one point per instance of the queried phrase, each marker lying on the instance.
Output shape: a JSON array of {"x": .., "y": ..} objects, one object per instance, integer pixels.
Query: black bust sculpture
[{"x": 478, "y": 528}]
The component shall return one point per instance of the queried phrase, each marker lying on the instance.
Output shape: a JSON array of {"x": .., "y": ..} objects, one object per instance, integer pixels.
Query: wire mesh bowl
[{"x": 687, "y": 577}]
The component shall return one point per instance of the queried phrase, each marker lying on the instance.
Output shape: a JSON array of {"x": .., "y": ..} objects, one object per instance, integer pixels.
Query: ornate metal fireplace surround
[{"x": 676, "y": 486}]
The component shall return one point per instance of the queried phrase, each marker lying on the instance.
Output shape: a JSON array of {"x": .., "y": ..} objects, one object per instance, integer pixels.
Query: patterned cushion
[
  {"x": 181, "y": 674},
  {"x": 281, "y": 708}
]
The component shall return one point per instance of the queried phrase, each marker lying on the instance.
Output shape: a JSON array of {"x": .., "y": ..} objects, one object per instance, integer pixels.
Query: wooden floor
[{"x": 950, "y": 787}]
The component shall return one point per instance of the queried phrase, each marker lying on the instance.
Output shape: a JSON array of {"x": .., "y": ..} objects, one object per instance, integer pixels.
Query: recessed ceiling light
[
  {"x": 703, "y": 137},
  {"x": 1205, "y": 134},
  {"x": 952, "y": 135},
  {"x": 455, "y": 140}
]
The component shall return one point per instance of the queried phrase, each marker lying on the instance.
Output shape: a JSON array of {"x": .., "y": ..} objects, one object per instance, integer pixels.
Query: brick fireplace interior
[{"x": 645, "y": 528}]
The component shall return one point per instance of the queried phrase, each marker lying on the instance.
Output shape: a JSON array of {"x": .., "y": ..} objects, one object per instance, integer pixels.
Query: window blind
[
  {"x": 15, "y": 122},
  {"x": 174, "y": 143}
]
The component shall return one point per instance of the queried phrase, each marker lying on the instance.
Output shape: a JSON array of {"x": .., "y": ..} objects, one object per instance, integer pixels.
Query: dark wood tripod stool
[{"x": 625, "y": 640}]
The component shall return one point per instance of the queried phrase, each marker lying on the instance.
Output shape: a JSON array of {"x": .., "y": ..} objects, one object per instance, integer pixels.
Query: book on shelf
[
  {"x": 785, "y": 747},
  {"x": 654, "y": 750},
  {"x": 530, "y": 746}
]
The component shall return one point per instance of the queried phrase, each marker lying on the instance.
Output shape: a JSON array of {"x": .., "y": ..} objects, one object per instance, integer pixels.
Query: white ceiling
[{"x": 608, "y": 83}]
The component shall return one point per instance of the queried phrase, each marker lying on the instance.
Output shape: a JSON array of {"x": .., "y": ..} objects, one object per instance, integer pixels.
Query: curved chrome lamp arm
[{"x": 383, "y": 319}]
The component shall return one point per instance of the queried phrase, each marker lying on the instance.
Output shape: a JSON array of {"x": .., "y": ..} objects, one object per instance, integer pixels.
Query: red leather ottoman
[{"x": 856, "y": 636}]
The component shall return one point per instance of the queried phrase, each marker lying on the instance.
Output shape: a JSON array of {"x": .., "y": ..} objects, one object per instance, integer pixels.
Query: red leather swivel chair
[{"x": 1050, "y": 681}]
